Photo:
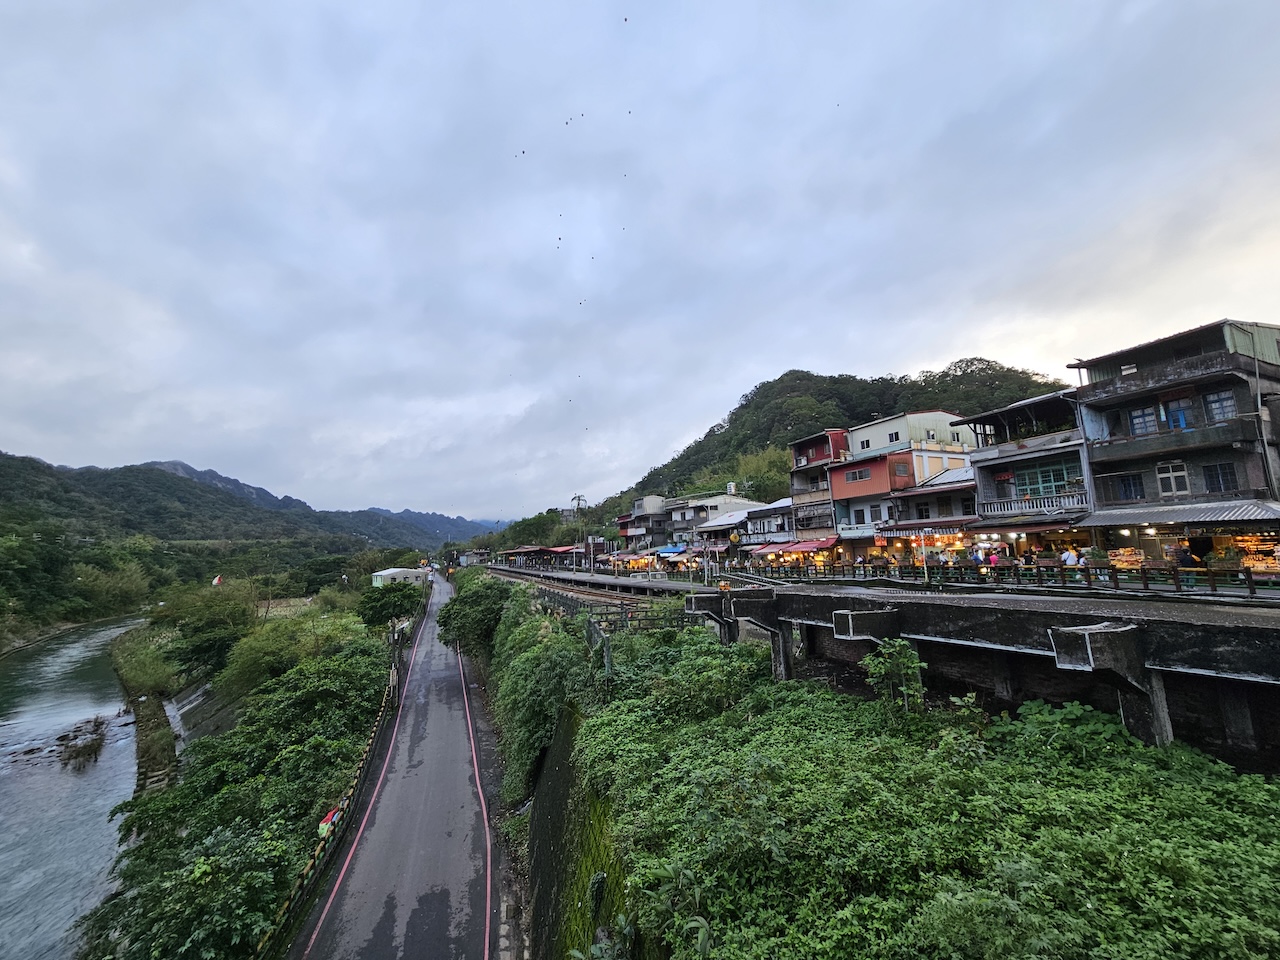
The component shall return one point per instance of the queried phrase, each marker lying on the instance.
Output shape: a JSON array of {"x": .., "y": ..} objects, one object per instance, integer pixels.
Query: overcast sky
[{"x": 479, "y": 257}]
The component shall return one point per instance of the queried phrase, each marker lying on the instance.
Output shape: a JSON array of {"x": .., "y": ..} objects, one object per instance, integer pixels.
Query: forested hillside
[
  {"x": 799, "y": 403},
  {"x": 749, "y": 445},
  {"x": 172, "y": 501}
]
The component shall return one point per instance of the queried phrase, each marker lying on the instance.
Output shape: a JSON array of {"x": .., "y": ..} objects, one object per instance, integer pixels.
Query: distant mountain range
[{"x": 172, "y": 500}]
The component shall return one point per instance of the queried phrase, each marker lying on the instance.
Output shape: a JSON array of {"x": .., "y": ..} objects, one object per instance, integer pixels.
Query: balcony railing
[
  {"x": 811, "y": 487},
  {"x": 1026, "y": 505},
  {"x": 1168, "y": 443},
  {"x": 1159, "y": 376},
  {"x": 858, "y": 531}
]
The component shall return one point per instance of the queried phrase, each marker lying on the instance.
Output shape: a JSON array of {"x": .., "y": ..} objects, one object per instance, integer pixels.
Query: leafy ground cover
[
  {"x": 759, "y": 819},
  {"x": 207, "y": 862}
]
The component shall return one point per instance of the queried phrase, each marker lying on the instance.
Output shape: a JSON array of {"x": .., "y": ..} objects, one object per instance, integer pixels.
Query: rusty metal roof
[{"x": 1221, "y": 511}]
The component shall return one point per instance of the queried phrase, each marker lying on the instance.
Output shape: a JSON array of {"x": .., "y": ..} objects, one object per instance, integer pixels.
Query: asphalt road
[{"x": 417, "y": 879}]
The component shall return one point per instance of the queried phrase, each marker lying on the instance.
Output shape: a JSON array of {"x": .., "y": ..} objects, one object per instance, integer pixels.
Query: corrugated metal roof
[
  {"x": 1223, "y": 511},
  {"x": 1014, "y": 406},
  {"x": 725, "y": 521}
]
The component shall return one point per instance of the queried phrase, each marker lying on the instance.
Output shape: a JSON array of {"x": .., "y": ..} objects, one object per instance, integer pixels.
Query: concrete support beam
[
  {"x": 1237, "y": 717},
  {"x": 1114, "y": 652},
  {"x": 866, "y": 624},
  {"x": 1002, "y": 676}
]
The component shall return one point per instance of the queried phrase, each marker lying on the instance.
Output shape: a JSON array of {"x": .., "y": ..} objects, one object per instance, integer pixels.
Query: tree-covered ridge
[
  {"x": 799, "y": 403},
  {"x": 157, "y": 502}
]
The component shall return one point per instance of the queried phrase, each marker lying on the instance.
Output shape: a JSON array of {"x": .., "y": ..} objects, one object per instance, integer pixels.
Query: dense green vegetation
[
  {"x": 751, "y": 818},
  {"x": 153, "y": 501},
  {"x": 207, "y": 862},
  {"x": 749, "y": 445},
  {"x": 50, "y": 575},
  {"x": 798, "y": 404}
]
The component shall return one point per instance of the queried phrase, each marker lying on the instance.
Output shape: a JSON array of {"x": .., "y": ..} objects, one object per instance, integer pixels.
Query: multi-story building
[
  {"x": 686, "y": 513},
  {"x": 1181, "y": 442},
  {"x": 646, "y": 524},
  {"x": 1030, "y": 470},
  {"x": 887, "y": 456},
  {"x": 810, "y": 485},
  {"x": 771, "y": 524},
  {"x": 934, "y": 515}
]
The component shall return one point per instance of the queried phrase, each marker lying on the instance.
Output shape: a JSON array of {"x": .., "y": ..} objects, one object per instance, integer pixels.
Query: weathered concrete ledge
[{"x": 1209, "y": 676}]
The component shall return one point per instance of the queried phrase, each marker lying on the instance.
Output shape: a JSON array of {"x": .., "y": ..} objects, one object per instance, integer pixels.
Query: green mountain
[
  {"x": 798, "y": 404},
  {"x": 172, "y": 501}
]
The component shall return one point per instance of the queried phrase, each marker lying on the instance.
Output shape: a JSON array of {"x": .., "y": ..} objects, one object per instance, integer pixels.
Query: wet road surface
[{"x": 415, "y": 880}]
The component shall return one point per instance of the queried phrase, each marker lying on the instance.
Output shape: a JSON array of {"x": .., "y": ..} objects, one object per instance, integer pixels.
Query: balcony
[
  {"x": 1021, "y": 506},
  {"x": 859, "y": 531},
  {"x": 815, "y": 487},
  {"x": 1161, "y": 376},
  {"x": 1172, "y": 443},
  {"x": 1026, "y": 447}
]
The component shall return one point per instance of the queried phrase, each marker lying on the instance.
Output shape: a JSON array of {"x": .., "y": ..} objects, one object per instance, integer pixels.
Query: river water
[{"x": 56, "y": 844}]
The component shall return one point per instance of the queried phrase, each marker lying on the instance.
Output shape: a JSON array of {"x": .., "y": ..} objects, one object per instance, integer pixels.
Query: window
[
  {"x": 1172, "y": 478},
  {"x": 1130, "y": 487},
  {"x": 902, "y": 469},
  {"x": 864, "y": 444},
  {"x": 1178, "y": 413},
  {"x": 890, "y": 513},
  {"x": 1128, "y": 368},
  {"x": 1220, "y": 477},
  {"x": 875, "y": 513},
  {"x": 859, "y": 517},
  {"x": 968, "y": 506},
  {"x": 853, "y": 476},
  {"x": 922, "y": 511},
  {"x": 944, "y": 506},
  {"x": 931, "y": 434},
  {"x": 893, "y": 437},
  {"x": 955, "y": 436},
  {"x": 1048, "y": 477},
  {"x": 1142, "y": 421},
  {"x": 1122, "y": 488},
  {"x": 1220, "y": 406}
]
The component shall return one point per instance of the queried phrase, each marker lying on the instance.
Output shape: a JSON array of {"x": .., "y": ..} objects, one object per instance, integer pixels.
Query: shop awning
[
  {"x": 772, "y": 548},
  {"x": 1222, "y": 511},
  {"x": 911, "y": 530},
  {"x": 811, "y": 546},
  {"x": 1028, "y": 523},
  {"x": 668, "y": 551}
]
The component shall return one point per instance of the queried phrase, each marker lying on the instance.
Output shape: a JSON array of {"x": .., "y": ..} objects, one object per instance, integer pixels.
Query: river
[{"x": 56, "y": 843}]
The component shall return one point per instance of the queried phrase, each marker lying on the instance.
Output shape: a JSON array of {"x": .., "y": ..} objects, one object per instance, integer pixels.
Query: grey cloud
[{"x": 475, "y": 258}]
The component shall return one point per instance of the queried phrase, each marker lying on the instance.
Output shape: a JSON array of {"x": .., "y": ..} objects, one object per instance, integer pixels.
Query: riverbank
[
  {"x": 67, "y": 757},
  {"x": 147, "y": 680}
]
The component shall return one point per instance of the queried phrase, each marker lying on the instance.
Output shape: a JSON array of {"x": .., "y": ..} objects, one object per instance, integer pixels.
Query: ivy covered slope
[
  {"x": 206, "y": 863},
  {"x": 754, "y": 819}
]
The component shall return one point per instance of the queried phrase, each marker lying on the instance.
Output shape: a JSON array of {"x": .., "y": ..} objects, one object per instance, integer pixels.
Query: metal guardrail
[{"x": 1149, "y": 577}]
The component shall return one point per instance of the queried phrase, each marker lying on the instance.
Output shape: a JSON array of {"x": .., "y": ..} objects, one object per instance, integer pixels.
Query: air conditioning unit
[{"x": 802, "y": 461}]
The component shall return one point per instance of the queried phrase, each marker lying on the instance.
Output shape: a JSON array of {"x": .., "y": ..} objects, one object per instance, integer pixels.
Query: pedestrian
[
  {"x": 1069, "y": 557},
  {"x": 1187, "y": 562}
]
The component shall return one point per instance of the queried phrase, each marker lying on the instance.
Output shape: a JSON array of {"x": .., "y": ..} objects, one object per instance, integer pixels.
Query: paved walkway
[{"x": 417, "y": 879}]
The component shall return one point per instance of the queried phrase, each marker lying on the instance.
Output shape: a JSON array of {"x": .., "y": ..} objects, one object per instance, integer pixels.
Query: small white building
[{"x": 416, "y": 575}]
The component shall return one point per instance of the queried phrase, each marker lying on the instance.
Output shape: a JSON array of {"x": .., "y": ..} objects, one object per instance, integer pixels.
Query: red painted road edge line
[
  {"x": 484, "y": 812},
  {"x": 413, "y": 656}
]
